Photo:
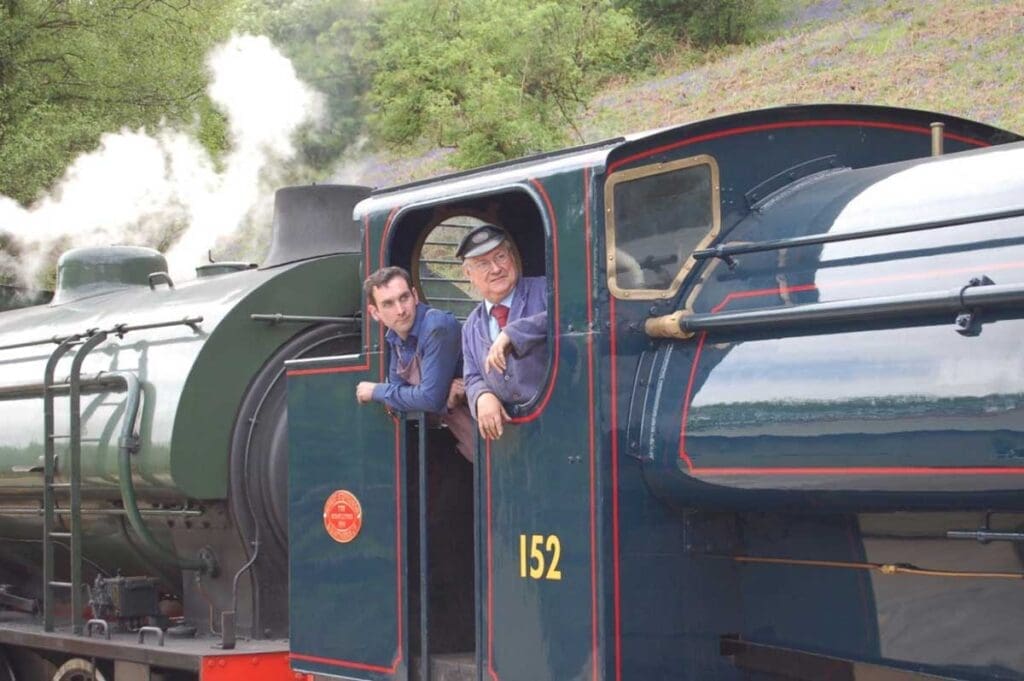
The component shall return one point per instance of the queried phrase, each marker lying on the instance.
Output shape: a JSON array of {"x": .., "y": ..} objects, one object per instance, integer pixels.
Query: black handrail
[
  {"x": 726, "y": 251},
  {"x": 969, "y": 298},
  {"x": 278, "y": 318}
]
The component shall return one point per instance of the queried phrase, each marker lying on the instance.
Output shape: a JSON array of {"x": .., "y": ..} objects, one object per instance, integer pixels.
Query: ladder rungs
[
  {"x": 60, "y": 535},
  {"x": 58, "y": 437},
  {"x": 62, "y": 585},
  {"x": 59, "y": 485}
]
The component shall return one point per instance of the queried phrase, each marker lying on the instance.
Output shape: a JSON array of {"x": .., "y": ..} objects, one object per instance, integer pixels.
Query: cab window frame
[{"x": 650, "y": 170}]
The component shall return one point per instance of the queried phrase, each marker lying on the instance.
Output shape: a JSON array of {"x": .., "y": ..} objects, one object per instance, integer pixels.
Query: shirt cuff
[{"x": 379, "y": 392}]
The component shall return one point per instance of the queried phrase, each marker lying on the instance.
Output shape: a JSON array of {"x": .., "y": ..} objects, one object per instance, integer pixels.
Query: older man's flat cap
[{"x": 480, "y": 240}]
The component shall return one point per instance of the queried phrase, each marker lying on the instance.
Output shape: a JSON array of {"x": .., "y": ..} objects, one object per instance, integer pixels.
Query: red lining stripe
[
  {"x": 866, "y": 470},
  {"x": 490, "y": 574},
  {"x": 330, "y": 370},
  {"x": 591, "y": 434},
  {"x": 614, "y": 407},
  {"x": 837, "y": 123},
  {"x": 543, "y": 402},
  {"x": 340, "y": 663},
  {"x": 399, "y": 491}
]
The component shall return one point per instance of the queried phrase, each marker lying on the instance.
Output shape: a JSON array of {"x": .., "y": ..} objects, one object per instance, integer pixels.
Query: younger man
[{"x": 425, "y": 356}]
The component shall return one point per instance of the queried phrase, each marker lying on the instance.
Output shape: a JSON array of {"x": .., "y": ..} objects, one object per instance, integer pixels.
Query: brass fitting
[{"x": 667, "y": 326}]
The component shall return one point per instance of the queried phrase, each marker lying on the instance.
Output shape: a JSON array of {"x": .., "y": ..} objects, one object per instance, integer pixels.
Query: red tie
[{"x": 500, "y": 313}]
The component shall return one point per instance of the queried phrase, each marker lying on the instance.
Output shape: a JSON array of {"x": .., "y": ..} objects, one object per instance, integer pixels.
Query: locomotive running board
[
  {"x": 187, "y": 654},
  {"x": 801, "y": 665}
]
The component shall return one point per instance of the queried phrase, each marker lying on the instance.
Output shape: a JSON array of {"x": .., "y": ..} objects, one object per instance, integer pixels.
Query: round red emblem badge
[{"x": 343, "y": 516}]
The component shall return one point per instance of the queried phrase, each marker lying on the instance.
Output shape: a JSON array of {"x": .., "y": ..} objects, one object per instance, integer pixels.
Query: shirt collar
[{"x": 506, "y": 301}]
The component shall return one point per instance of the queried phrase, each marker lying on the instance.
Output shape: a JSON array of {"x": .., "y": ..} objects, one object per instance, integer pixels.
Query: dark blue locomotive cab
[{"x": 781, "y": 435}]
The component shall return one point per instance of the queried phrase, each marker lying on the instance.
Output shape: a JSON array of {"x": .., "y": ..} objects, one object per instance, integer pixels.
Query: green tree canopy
[
  {"x": 71, "y": 70},
  {"x": 707, "y": 22},
  {"x": 319, "y": 36},
  {"x": 493, "y": 79}
]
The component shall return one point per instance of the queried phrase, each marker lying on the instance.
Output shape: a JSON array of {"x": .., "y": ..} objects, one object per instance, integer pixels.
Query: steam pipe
[
  {"x": 126, "y": 445},
  {"x": 22, "y": 391},
  {"x": 970, "y": 297}
]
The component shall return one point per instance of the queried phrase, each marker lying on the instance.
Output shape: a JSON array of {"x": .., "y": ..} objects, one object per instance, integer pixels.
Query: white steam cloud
[{"x": 144, "y": 188}]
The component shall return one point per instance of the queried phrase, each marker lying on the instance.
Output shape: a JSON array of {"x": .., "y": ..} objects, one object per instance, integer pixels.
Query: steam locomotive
[{"x": 780, "y": 435}]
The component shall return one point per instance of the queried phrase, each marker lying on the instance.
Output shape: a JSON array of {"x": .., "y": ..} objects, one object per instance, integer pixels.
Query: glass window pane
[
  {"x": 659, "y": 220},
  {"x": 439, "y": 273}
]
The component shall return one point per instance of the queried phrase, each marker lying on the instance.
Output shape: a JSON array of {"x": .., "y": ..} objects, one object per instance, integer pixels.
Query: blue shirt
[{"x": 436, "y": 337}]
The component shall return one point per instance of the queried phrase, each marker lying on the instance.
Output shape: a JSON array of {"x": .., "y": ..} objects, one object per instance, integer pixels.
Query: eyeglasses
[{"x": 501, "y": 259}]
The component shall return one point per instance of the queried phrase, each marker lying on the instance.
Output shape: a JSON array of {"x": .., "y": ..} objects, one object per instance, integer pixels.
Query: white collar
[{"x": 506, "y": 301}]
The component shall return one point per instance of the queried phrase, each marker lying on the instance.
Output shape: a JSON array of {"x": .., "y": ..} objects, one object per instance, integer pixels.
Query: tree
[
  {"x": 707, "y": 22},
  {"x": 493, "y": 79},
  {"x": 71, "y": 70},
  {"x": 319, "y": 37}
]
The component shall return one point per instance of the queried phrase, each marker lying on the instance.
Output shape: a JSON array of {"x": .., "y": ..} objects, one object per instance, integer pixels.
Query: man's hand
[
  {"x": 364, "y": 392},
  {"x": 456, "y": 393},
  {"x": 491, "y": 417},
  {"x": 497, "y": 355}
]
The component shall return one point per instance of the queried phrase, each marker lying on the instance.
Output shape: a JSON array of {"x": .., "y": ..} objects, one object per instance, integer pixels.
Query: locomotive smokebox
[{"x": 313, "y": 221}]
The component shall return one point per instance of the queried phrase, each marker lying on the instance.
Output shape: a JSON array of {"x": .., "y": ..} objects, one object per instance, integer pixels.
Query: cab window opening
[{"x": 425, "y": 239}]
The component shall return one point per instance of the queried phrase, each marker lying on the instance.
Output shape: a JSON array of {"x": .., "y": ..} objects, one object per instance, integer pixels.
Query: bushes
[
  {"x": 493, "y": 79},
  {"x": 707, "y": 22}
]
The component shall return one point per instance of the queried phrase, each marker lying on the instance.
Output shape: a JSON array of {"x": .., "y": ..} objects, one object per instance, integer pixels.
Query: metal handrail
[
  {"x": 969, "y": 298},
  {"x": 278, "y": 318},
  {"x": 101, "y": 382},
  {"x": 75, "y": 409},
  {"x": 117, "y": 330},
  {"x": 726, "y": 251}
]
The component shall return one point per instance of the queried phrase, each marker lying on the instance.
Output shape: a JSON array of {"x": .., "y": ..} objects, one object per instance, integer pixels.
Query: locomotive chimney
[{"x": 315, "y": 220}]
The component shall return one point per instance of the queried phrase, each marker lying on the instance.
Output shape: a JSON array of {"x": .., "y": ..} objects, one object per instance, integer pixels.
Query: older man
[
  {"x": 505, "y": 338},
  {"x": 425, "y": 357}
]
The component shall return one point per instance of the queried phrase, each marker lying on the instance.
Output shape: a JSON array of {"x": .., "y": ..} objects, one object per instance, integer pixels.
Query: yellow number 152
[{"x": 539, "y": 556}]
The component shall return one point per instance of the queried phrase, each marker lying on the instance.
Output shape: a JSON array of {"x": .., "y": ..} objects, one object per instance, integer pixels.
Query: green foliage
[
  {"x": 707, "y": 22},
  {"x": 72, "y": 70},
  {"x": 494, "y": 79},
  {"x": 319, "y": 36}
]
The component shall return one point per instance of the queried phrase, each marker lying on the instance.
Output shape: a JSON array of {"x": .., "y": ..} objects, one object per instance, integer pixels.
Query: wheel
[
  {"x": 77, "y": 669},
  {"x": 22, "y": 664}
]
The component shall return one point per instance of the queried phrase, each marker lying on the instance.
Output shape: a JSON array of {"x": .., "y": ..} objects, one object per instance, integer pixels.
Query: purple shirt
[{"x": 527, "y": 365}]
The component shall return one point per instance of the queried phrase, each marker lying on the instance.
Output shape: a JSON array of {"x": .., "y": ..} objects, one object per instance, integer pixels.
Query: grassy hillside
[{"x": 963, "y": 57}]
